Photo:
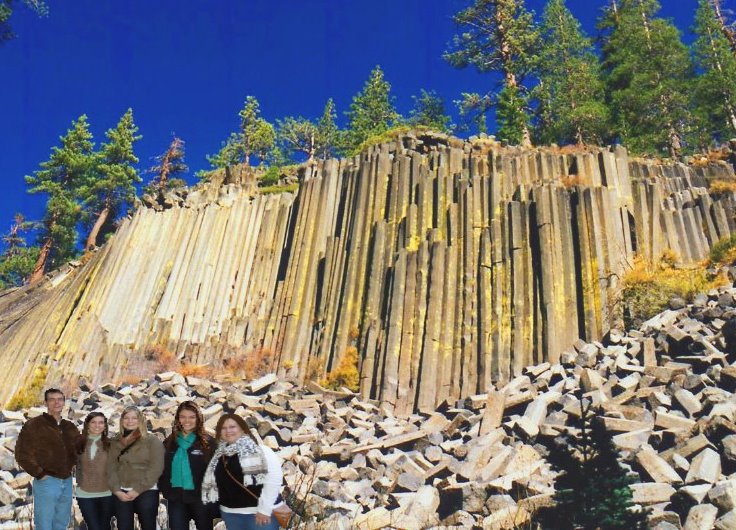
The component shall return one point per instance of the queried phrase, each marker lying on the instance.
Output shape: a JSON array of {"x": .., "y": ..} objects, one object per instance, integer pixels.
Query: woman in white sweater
[{"x": 243, "y": 477}]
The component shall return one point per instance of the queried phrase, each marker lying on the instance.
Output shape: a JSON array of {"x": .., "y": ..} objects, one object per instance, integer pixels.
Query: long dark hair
[
  {"x": 82, "y": 441},
  {"x": 199, "y": 431},
  {"x": 237, "y": 419}
]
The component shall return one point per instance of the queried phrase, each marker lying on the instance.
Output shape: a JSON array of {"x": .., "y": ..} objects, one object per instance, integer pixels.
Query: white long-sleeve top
[{"x": 271, "y": 487}]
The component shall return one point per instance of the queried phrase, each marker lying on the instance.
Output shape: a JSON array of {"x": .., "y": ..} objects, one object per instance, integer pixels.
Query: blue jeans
[
  {"x": 97, "y": 512},
  {"x": 241, "y": 521},
  {"x": 144, "y": 505},
  {"x": 52, "y": 503}
]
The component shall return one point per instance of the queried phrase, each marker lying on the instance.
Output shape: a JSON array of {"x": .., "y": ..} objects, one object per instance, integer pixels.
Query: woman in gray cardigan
[{"x": 134, "y": 466}]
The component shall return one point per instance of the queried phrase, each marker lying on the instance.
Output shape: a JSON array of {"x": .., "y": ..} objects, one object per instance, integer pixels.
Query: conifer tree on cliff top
[
  {"x": 61, "y": 177},
  {"x": 498, "y": 36},
  {"x": 716, "y": 86},
  {"x": 570, "y": 90},
  {"x": 167, "y": 170},
  {"x": 648, "y": 74},
  {"x": 111, "y": 187},
  {"x": 372, "y": 111},
  {"x": 6, "y": 10}
]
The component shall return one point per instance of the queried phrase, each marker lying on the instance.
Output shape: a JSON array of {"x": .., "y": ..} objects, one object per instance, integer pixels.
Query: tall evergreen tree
[
  {"x": 648, "y": 75},
  {"x": 298, "y": 136},
  {"x": 256, "y": 138},
  {"x": 328, "y": 132},
  {"x": 570, "y": 91},
  {"x": 429, "y": 111},
  {"x": 498, "y": 36},
  {"x": 725, "y": 27},
  {"x": 60, "y": 178},
  {"x": 168, "y": 170},
  {"x": 716, "y": 86},
  {"x": 372, "y": 111},
  {"x": 111, "y": 187},
  {"x": 18, "y": 259}
]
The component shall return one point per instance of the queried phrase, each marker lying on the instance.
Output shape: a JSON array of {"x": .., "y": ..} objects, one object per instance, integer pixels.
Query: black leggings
[{"x": 144, "y": 505}]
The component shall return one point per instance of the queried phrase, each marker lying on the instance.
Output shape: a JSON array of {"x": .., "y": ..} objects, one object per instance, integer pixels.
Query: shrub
[
  {"x": 648, "y": 288},
  {"x": 279, "y": 188},
  {"x": 346, "y": 374},
  {"x": 722, "y": 187},
  {"x": 30, "y": 394},
  {"x": 571, "y": 181},
  {"x": 252, "y": 365},
  {"x": 724, "y": 251},
  {"x": 195, "y": 370},
  {"x": 165, "y": 360}
]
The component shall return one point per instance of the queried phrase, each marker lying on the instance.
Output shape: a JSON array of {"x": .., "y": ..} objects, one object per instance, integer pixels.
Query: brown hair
[
  {"x": 199, "y": 431},
  {"x": 237, "y": 419},
  {"x": 82, "y": 443}
]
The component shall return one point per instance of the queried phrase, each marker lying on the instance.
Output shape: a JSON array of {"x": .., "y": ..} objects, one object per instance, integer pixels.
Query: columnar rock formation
[{"x": 447, "y": 264}]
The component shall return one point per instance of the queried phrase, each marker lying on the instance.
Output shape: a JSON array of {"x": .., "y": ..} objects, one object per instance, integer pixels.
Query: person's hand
[
  {"x": 122, "y": 495},
  {"x": 132, "y": 494},
  {"x": 262, "y": 519}
]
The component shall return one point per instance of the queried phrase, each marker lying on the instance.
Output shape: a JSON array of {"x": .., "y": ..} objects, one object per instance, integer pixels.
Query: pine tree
[
  {"x": 429, "y": 111},
  {"x": 18, "y": 259},
  {"x": 328, "y": 132},
  {"x": 570, "y": 91},
  {"x": 498, "y": 36},
  {"x": 648, "y": 75},
  {"x": 6, "y": 10},
  {"x": 716, "y": 86},
  {"x": 111, "y": 187},
  {"x": 61, "y": 177},
  {"x": 298, "y": 136},
  {"x": 256, "y": 138},
  {"x": 372, "y": 111},
  {"x": 726, "y": 28},
  {"x": 593, "y": 490},
  {"x": 168, "y": 170}
]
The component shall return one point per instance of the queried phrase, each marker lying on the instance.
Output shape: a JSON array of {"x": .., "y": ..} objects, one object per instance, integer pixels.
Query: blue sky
[{"x": 186, "y": 66}]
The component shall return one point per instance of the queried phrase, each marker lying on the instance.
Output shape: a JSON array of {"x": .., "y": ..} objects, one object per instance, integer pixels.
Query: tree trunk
[
  {"x": 92, "y": 238},
  {"x": 727, "y": 32},
  {"x": 40, "y": 268}
]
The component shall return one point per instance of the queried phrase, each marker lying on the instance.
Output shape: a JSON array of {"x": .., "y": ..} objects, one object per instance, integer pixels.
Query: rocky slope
[
  {"x": 448, "y": 264},
  {"x": 666, "y": 392}
]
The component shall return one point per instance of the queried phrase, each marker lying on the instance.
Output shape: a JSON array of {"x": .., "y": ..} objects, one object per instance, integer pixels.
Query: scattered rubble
[{"x": 667, "y": 393}]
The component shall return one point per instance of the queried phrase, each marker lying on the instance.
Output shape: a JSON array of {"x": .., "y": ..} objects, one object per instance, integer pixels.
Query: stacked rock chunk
[{"x": 665, "y": 393}]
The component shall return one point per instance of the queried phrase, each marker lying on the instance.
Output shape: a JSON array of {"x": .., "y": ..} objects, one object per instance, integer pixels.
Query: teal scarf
[{"x": 181, "y": 473}]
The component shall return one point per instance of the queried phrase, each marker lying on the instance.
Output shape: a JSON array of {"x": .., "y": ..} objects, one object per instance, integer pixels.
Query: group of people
[{"x": 230, "y": 475}]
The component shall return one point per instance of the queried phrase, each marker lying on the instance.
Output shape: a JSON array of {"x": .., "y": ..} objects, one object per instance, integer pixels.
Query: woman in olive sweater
[
  {"x": 188, "y": 451},
  {"x": 93, "y": 495},
  {"x": 134, "y": 466}
]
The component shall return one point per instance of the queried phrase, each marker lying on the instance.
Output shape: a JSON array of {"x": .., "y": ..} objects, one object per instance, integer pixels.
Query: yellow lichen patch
[
  {"x": 722, "y": 187},
  {"x": 30, "y": 394}
]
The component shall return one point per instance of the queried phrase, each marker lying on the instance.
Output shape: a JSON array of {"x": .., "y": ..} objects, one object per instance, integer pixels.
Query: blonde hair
[{"x": 142, "y": 428}]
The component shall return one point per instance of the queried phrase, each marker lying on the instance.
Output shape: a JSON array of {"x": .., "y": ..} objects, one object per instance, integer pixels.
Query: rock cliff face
[{"x": 448, "y": 264}]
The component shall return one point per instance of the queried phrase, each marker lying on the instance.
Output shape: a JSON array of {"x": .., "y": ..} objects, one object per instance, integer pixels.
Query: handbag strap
[{"x": 224, "y": 465}]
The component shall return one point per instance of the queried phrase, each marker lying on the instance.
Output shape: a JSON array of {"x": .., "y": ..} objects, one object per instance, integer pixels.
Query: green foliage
[
  {"x": 716, "y": 86},
  {"x": 279, "y": 188},
  {"x": 473, "y": 108},
  {"x": 593, "y": 490},
  {"x": 570, "y": 92},
  {"x": 298, "y": 136},
  {"x": 61, "y": 177},
  {"x": 512, "y": 117},
  {"x": 168, "y": 169},
  {"x": 18, "y": 259},
  {"x": 110, "y": 188},
  {"x": 6, "y": 10},
  {"x": 496, "y": 36},
  {"x": 256, "y": 138},
  {"x": 372, "y": 111},
  {"x": 429, "y": 111},
  {"x": 648, "y": 75},
  {"x": 330, "y": 137},
  {"x": 724, "y": 251}
]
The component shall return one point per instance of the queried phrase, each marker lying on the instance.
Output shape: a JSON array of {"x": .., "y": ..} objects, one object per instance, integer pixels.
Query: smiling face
[
  {"x": 55, "y": 404},
  {"x": 96, "y": 426},
  {"x": 231, "y": 431},
  {"x": 130, "y": 420},
  {"x": 188, "y": 420}
]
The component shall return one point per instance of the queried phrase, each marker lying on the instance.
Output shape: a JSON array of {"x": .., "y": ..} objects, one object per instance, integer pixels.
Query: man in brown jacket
[{"x": 46, "y": 450}]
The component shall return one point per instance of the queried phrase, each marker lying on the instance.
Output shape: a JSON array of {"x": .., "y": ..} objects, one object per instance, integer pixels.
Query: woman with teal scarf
[{"x": 188, "y": 451}]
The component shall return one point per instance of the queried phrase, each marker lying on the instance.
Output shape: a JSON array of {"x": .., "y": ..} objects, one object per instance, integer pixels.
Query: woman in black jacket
[{"x": 188, "y": 451}]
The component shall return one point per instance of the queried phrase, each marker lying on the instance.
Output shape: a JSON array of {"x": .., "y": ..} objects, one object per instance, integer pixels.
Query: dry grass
[
  {"x": 253, "y": 365},
  {"x": 572, "y": 181},
  {"x": 195, "y": 370},
  {"x": 346, "y": 373},
  {"x": 722, "y": 187}
]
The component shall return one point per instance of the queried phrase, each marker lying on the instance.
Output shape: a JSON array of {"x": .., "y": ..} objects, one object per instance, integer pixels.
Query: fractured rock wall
[{"x": 448, "y": 264}]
